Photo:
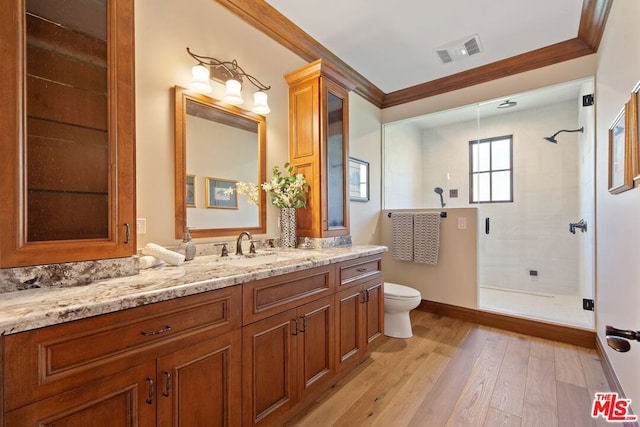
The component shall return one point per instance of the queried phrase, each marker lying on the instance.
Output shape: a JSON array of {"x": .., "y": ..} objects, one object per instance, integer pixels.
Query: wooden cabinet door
[
  {"x": 68, "y": 133},
  {"x": 374, "y": 312},
  {"x": 199, "y": 386},
  {"x": 315, "y": 343},
  {"x": 125, "y": 399},
  {"x": 349, "y": 326},
  {"x": 268, "y": 368}
]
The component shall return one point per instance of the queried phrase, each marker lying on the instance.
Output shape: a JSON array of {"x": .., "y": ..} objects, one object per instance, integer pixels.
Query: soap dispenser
[{"x": 188, "y": 246}]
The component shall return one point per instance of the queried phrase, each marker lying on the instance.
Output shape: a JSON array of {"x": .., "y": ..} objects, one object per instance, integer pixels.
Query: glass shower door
[{"x": 529, "y": 264}]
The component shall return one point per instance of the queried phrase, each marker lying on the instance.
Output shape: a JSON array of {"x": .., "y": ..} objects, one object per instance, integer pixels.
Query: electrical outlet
[{"x": 141, "y": 225}]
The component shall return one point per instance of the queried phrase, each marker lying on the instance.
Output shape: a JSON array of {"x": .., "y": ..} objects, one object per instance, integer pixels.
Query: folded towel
[
  {"x": 426, "y": 237},
  {"x": 170, "y": 257},
  {"x": 402, "y": 236}
]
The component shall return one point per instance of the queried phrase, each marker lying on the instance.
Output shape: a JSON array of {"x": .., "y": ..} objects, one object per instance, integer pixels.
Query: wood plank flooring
[{"x": 456, "y": 373}]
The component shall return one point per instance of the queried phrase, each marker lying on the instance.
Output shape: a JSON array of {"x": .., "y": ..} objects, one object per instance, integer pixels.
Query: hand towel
[
  {"x": 170, "y": 257},
  {"x": 402, "y": 236},
  {"x": 426, "y": 237}
]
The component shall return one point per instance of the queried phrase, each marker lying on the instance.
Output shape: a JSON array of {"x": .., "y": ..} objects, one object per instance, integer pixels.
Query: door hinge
[{"x": 588, "y": 304}]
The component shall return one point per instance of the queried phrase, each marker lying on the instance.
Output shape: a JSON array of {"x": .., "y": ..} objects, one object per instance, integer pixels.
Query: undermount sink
[{"x": 256, "y": 260}]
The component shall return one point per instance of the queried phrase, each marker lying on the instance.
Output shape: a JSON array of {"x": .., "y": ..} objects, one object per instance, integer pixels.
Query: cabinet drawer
[
  {"x": 53, "y": 359},
  {"x": 264, "y": 298},
  {"x": 361, "y": 268}
]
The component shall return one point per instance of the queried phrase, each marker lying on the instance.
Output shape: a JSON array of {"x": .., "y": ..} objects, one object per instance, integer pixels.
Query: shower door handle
[{"x": 486, "y": 225}]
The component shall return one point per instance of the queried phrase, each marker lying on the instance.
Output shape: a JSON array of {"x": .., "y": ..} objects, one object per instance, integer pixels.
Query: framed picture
[
  {"x": 218, "y": 193},
  {"x": 358, "y": 180},
  {"x": 190, "y": 195},
  {"x": 620, "y": 174},
  {"x": 634, "y": 131}
]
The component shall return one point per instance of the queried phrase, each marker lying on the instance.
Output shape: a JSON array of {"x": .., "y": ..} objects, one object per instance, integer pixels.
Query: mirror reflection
[{"x": 217, "y": 146}]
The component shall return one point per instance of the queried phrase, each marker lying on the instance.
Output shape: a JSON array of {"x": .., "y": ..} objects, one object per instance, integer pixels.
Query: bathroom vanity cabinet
[
  {"x": 169, "y": 363},
  {"x": 360, "y": 310},
  {"x": 319, "y": 146},
  {"x": 248, "y": 354},
  {"x": 289, "y": 351},
  {"x": 68, "y": 124}
]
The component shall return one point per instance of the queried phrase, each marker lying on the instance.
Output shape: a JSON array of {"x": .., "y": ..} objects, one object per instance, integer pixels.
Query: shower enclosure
[{"x": 527, "y": 191}]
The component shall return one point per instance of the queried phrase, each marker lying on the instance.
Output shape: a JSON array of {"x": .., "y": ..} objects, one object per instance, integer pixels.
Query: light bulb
[
  {"x": 233, "y": 95},
  {"x": 200, "y": 79},
  {"x": 260, "y": 105}
]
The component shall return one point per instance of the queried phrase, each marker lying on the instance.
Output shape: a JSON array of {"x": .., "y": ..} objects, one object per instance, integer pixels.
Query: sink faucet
[{"x": 239, "y": 243}]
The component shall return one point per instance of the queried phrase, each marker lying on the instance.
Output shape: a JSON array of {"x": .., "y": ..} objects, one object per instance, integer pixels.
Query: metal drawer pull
[
  {"x": 167, "y": 385},
  {"x": 159, "y": 331},
  {"x": 361, "y": 270},
  {"x": 151, "y": 391},
  {"x": 304, "y": 323},
  {"x": 295, "y": 327}
]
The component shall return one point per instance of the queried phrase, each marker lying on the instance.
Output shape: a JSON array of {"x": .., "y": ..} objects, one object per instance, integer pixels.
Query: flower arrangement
[{"x": 287, "y": 191}]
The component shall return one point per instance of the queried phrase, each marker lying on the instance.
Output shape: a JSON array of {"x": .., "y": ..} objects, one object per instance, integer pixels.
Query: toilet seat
[{"x": 399, "y": 292}]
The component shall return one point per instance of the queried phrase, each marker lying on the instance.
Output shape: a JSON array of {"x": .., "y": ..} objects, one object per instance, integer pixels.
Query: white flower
[{"x": 287, "y": 191}]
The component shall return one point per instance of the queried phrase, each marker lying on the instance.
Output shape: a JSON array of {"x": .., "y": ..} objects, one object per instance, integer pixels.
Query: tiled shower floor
[{"x": 563, "y": 309}]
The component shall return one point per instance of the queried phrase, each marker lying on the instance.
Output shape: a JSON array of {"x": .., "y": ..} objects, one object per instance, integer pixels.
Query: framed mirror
[{"x": 216, "y": 147}]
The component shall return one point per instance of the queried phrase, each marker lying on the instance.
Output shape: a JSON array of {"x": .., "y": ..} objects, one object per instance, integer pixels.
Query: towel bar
[{"x": 442, "y": 214}]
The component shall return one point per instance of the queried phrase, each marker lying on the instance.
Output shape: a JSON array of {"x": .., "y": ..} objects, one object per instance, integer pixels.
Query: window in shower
[{"x": 491, "y": 170}]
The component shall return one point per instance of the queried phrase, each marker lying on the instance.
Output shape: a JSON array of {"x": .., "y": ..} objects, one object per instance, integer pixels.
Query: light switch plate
[
  {"x": 462, "y": 223},
  {"x": 141, "y": 225}
]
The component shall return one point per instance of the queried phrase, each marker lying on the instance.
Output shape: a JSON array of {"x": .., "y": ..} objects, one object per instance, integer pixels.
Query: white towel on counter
[
  {"x": 170, "y": 257},
  {"x": 402, "y": 236},
  {"x": 426, "y": 237}
]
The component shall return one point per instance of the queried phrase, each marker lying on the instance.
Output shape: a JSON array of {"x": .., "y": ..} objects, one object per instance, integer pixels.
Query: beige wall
[
  {"x": 364, "y": 144},
  {"x": 453, "y": 279},
  {"x": 618, "y": 224}
]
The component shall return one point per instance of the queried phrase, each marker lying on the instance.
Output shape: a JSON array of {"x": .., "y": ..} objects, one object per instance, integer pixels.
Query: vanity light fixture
[{"x": 232, "y": 75}]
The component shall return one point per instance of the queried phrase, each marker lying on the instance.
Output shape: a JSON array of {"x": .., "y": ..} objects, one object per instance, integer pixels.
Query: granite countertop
[{"x": 35, "y": 308}]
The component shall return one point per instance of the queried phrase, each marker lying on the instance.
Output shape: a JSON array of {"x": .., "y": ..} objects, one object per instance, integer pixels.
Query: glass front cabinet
[{"x": 319, "y": 146}]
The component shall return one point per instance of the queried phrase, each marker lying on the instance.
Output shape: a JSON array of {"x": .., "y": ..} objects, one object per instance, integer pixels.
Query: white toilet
[{"x": 399, "y": 300}]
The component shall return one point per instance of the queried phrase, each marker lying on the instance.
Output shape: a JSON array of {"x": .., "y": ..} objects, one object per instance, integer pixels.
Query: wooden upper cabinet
[
  {"x": 68, "y": 132},
  {"x": 319, "y": 146}
]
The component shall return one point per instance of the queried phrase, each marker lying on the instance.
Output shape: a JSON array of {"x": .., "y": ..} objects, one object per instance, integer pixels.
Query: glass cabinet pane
[
  {"x": 67, "y": 138},
  {"x": 335, "y": 162}
]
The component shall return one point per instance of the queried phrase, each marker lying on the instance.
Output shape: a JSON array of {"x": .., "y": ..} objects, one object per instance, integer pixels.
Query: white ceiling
[{"x": 392, "y": 43}]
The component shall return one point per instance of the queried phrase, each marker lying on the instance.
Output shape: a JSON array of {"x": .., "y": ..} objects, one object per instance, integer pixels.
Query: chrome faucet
[{"x": 252, "y": 249}]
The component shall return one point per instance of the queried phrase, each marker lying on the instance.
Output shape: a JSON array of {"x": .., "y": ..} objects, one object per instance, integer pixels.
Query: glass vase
[{"x": 288, "y": 227}]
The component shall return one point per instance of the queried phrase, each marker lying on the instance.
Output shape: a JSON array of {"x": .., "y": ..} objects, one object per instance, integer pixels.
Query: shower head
[
  {"x": 439, "y": 191},
  {"x": 552, "y": 138}
]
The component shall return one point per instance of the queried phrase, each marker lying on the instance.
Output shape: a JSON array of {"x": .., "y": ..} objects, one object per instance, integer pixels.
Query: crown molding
[{"x": 266, "y": 19}]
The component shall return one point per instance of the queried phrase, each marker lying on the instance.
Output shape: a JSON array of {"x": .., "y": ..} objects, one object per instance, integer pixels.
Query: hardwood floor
[{"x": 456, "y": 373}]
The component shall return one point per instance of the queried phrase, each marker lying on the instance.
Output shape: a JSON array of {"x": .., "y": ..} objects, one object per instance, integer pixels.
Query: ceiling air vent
[{"x": 459, "y": 49}]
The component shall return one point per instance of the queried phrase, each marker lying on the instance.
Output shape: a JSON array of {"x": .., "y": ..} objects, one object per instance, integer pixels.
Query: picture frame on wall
[
  {"x": 634, "y": 131},
  {"x": 620, "y": 156},
  {"x": 358, "y": 180},
  {"x": 219, "y": 195},
  {"x": 190, "y": 194}
]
